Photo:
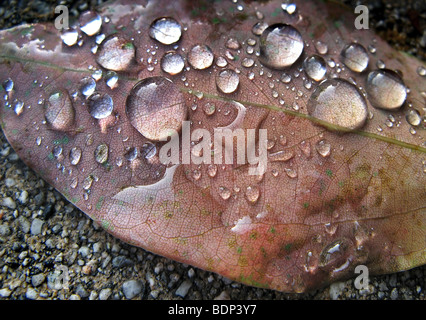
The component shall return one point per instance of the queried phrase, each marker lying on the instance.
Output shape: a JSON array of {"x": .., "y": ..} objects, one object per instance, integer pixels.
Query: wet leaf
[{"x": 344, "y": 181}]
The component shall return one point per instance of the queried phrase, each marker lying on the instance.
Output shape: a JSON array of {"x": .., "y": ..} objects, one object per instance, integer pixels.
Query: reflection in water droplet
[
  {"x": 224, "y": 193},
  {"x": 60, "y": 112},
  {"x": 100, "y": 105},
  {"x": 200, "y": 57},
  {"x": 413, "y": 117},
  {"x": 101, "y": 153},
  {"x": 115, "y": 53},
  {"x": 290, "y": 8},
  {"x": 227, "y": 81},
  {"x": 315, "y": 67},
  {"x": 172, "y": 63},
  {"x": 280, "y": 46},
  {"x": 259, "y": 27},
  {"x": 155, "y": 106},
  {"x": 70, "y": 38},
  {"x": 385, "y": 89},
  {"x": 212, "y": 170},
  {"x": 324, "y": 148},
  {"x": 165, "y": 30},
  {"x": 209, "y": 108},
  {"x": 338, "y": 102},
  {"x": 111, "y": 79},
  {"x": 355, "y": 57},
  {"x": 90, "y": 23},
  {"x": 75, "y": 155},
  {"x": 252, "y": 194},
  {"x": 321, "y": 47},
  {"x": 148, "y": 150},
  {"x": 18, "y": 107},
  {"x": 87, "y": 86}
]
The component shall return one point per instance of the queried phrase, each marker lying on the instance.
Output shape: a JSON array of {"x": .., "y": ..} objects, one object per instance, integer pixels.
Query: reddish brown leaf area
[{"x": 328, "y": 200}]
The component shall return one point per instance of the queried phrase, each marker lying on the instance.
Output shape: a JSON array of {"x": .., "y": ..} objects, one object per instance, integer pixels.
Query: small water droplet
[
  {"x": 413, "y": 117},
  {"x": 355, "y": 57},
  {"x": 209, "y": 108},
  {"x": 87, "y": 86},
  {"x": 74, "y": 183},
  {"x": 221, "y": 62},
  {"x": 281, "y": 156},
  {"x": 224, "y": 193},
  {"x": 232, "y": 44},
  {"x": 290, "y": 8},
  {"x": 212, "y": 170},
  {"x": 282, "y": 140},
  {"x": 280, "y": 46},
  {"x": 111, "y": 79},
  {"x": 87, "y": 183},
  {"x": 321, "y": 47},
  {"x": 131, "y": 154},
  {"x": 8, "y": 85},
  {"x": 252, "y": 194},
  {"x": 227, "y": 81},
  {"x": 259, "y": 27},
  {"x": 155, "y": 106},
  {"x": 421, "y": 71},
  {"x": 38, "y": 141},
  {"x": 116, "y": 53},
  {"x": 90, "y": 23},
  {"x": 340, "y": 103},
  {"x": 291, "y": 173},
  {"x": 331, "y": 228},
  {"x": 70, "y": 37},
  {"x": 285, "y": 78},
  {"x": 385, "y": 89},
  {"x": 148, "y": 150},
  {"x": 200, "y": 57},
  {"x": 247, "y": 62},
  {"x": 323, "y": 148},
  {"x": 100, "y": 105},
  {"x": 75, "y": 155},
  {"x": 101, "y": 153},
  {"x": 18, "y": 107},
  {"x": 172, "y": 63},
  {"x": 315, "y": 67},
  {"x": 165, "y": 30}
]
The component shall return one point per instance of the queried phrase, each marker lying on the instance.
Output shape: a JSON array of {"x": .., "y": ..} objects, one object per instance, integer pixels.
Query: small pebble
[
  {"x": 183, "y": 289},
  {"x": 31, "y": 294},
  {"x": 104, "y": 294},
  {"x": 132, "y": 288},
  {"x": 36, "y": 226},
  {"x": 37, "y": 279},
  {"x": 9, "y": 202}
]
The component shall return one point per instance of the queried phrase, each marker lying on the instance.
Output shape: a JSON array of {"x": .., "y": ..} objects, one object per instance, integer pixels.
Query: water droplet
[
  {"x": 331, "y": 228},
  {"x": 60, "y": 112},
  {"x": 380, "y": 64},
  {"x": 334, "y": 253},
  {"x": 321, "y": 47},
  {"x": 291, "y": 173},
  {"x": 280, "y": 46},
  {"x": 385, "y": 89},
  {"x": 285, "y": 78},
  {"x": 232, "y": 44},
  {"x": 247, "y": 62},
  {"x": 209, "y": 108},
  {"x": 282, "y": 140},
  {"x": 38, "y": 141},
  {"x": 172, "y": 63},
  {"x": 74, "y": 183},
  {"x": 259, "y": 27},
  {"x": 90, "y": 23},
  {"x": 252, "y": 194},
  {"x": 18, "y": 107},
  {"x": 421, "y": 71},
  {"x": 413, "y": 117},
  {"x": 212, "y": 170},
  {"x": 148, "y": 150},
  {"x": 8, "y": 85},
  {"x": 338, "y": 102},
  {"x": 323, "y": 148},
  {"x": 155, "y": 106},
  {"x": 87, "y": 183},
  {"x": 75, "y": 156},
  {"x": 200, "y": 57},
  {"x": 87, "y": 86},
  {"x": 57, "y": 152},
  {"x": 101, "y": 153},
  {"x": 305, "y": 146},
  {"x": 70, "y": 38},
  {"x": 290, "y": 8},
  {"x": 281, "y": 156},
  {"x": 315, "y": 67},
  {"x": 221, "y": 62},
  {"x": 111, "y": 79},
  {"x": 100, "y": 105},
  {"x": 227, "y": 81},
  {"x": 115, "y": 53},
  {"x": 355, "y": 57},
  {"x": 165, "y": 30},
  {"x": 224, "y": 193}
]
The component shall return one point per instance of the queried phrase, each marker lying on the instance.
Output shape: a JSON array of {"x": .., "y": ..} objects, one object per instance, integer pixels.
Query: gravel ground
[{"x": 40, "y": 232}]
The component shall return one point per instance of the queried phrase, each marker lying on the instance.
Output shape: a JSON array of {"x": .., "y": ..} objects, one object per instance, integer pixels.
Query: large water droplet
[
  {"x": 280, "y": 46},
  {"x": 115, "y": 53},
  {"x": 227, "y": 81},
  {"x": 385, "y": 89},
  {"x": 87, "y": 86},
  {"x": 315, "y": 67},
  {"x": 101, "y": 153},
  {"x": 323, "y": 148},
  {"x": 355, "y": 57},
  {"x": 252, "y": 194},
  {"x": 90, "y": 23},
  {"x": 75, "y": 155},
  {"x": 172, "y": 63},
  {"x": 338, "y": 102},
  {"x": 100, "y": 105},
  {"x": 70, "y": 37},
  {"x": 200, "y": 57},
  {"x": 165, "y": 30},
  {"x": 60, "y": 112},
  {"x": 155, "y": 106}
]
